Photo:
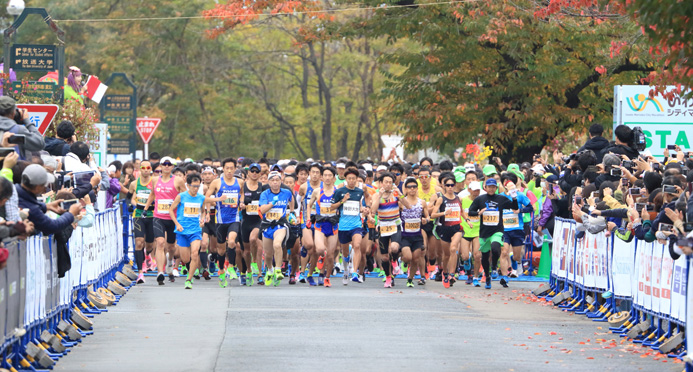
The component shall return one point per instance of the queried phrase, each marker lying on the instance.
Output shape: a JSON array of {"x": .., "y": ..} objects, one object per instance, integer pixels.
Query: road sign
[
  {"x": 40, "y": 115},
  {"x": 26, "y": 57},
  {"x": 146, "y": 128}
]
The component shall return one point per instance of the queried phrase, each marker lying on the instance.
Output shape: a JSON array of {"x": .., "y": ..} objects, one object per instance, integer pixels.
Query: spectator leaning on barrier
[
  {"x": 17, "y": 122},
  {"x": 79, "y": 160},
  {"x": 84, "y": 219},
  {"x": 65, "y": 136},
  {"x": 34, "y": 181},
  {"x": 114, "y": 186}
]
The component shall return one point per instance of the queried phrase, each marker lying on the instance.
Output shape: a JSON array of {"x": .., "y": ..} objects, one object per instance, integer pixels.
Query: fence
[
  {"x": 38, "y": 310},
  {"x": 636, "y": 285}
]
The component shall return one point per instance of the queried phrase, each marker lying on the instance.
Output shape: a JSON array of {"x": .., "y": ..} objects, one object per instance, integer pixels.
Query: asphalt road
[{"x": 302, "y": 328}]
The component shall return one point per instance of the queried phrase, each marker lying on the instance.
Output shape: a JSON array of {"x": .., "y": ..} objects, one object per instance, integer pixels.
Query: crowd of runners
[{"x": 262, "y": 221}]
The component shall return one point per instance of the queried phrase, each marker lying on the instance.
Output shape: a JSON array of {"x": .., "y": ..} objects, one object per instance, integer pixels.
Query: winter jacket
[{"x": 33, "y": 141}]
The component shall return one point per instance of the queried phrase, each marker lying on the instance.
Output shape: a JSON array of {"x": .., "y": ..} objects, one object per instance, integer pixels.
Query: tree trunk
[
  {"x": 326, "y": 94},
  {"x": 314, "y": 145}
]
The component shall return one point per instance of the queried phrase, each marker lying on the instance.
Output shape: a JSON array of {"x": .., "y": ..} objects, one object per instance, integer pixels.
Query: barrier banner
[
  {"x": 666, "y": 282},
  {"x": 678, "y": 292},
  {"x": 657, "y": 251},
  {"x": 600, "y": 254},
  {"x": 622, "y": 268},
  {"x": 4, "y": 308},
  {"x": 580, "y": 262},
  {"x": 11, "y": 293}
]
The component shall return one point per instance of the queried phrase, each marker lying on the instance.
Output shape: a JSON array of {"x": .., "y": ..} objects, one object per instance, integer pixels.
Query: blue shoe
[
  {"x": 302, "y": 277},
  {"x": 469, "y": 280},
  {"x": 242, "y": 279},
  {"x": 488, "y": 284},
  {"x": 475, "y": 281},
  {"x": 321, "y": 280},
  {"x": 311, "y": 281},
  {"x": 494, "y": 274},
  {"x": 260, "y": 280},
  {"x": 467, "y": 265}
]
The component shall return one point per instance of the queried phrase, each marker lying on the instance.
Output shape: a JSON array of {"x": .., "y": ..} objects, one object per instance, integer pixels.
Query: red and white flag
[{"x": 96, "y": 89}]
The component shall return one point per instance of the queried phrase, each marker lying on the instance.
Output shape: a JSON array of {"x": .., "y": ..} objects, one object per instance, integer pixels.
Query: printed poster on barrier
[
  {"x": 588, "y": 254},
  {"x": 564, "y": 244},
  {"x": 666, "y": 282},
  {"x": 622, "y": 268},
  {"x": 600, "y": 265},
  {"x": 555, "y": 252},
  {"x": 640, "y": 274},
  {"x": 580, "y": 261},
  {"x": 684, "y": 288},
  {"x": 647, "y": 275},
  {"x": 688, "y": 317},
  {"x": 656, "y": 276}
]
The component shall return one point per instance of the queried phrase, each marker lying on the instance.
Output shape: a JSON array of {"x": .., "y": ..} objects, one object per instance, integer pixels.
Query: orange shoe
[
  {"x": 327, "y": 282},
  {"x": 321, "y": 262}
]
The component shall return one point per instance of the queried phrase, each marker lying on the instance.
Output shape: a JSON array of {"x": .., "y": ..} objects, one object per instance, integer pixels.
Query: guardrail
[
  {"x": 636, "y": 286},
  {"x": 43, "y": 316}
]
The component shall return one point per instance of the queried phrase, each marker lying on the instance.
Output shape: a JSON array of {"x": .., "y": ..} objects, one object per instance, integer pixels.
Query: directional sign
[
  {"x": 146, "y": 128},
  {"x": 40, "y": 115}
]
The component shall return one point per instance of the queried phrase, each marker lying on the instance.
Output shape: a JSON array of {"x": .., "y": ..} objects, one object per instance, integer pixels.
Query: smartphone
[
  {"x": 655, "y": 167},
  {"x": 65, "y": 204},
  {"x": 639, "y": 206},
  {"x": 669, "y": 189},
  {"x": 671, "y": 147},
  {"x": 688, "y": 226},
  {"x": 624, "y": 181},
  {"x": 17, "y": 139},
  {"x": 650, "y": 207},
  {"x": 597, "y": 200},
  {"x": 616, "y": 172},
  {"x": 634, "y": 191},
  {"x": 4, "y": 151},
  {"x": 666, "y": 227},
  {"x": 628, "y": 164},
  {"x": 578, "y": 200},
  {"x": 556, "y": 189},
  {"x": 594, "y": 194}
]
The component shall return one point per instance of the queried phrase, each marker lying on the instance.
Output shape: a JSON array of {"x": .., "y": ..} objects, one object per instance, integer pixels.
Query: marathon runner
[
  {"x": 225, "y": 192},
  {"x": 209, "y": 230},
  {"x": 412, "y": 242},
  {"x": 250, "y": 223},
  {"x": 305, "y": 194},
  {"x": 470, "y": 237},
  {"x": 188, "y": 214},
  {"x": 293, "y": 243},
  {"x": 386, "y": 205},
  {"x": 513, "y": 225},
  {"x": 273, "y": 206},
  {"x": 427, "y": 192},
  {"x": 325, "y": 224},
  {"x": 448, "y": 209},
  {"x": 142, "y": 220}
]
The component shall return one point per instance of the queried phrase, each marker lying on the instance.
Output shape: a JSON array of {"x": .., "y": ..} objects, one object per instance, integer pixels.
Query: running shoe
[
  {"x": 302, "y": 277},
  {"x": 184, "y": 271},
  {"x": 321, "y": 263},
  {"x": 249, "y": 279},
  {"x": 268, "y": 279},
  {"x": 388, "y": 282},
  {"x": 222, "y": 281},
  {"x": 410, "y": 283},
  {"x": 494, "y": 274},
  {"x": 197, "y": 274},
  {"x": 242, "y": 279},
  {"x": 504, "y": 282},
  {"x": 311, "y": 281},
  {"x": 469, "y": 279},
  {"x": 278, "y": 274},
  {"x": 338, "y": 266},
  {"x": 327, "y": 282},
  {"x": 404, "y": 267},
  {"x": 452, "y": 280},
  {"x": 488, "y": 283},
  {"x": 231, "y": 273},
  {"x": 513, "y": 274},
  {"x": 321, "y": 279},
  {"x": 396, "y": 269},
  {"x": 439, "y": 276},
  {"x": 392, "y": 280},
  {"x": 160, "y": 278},
  {"x": 140, "y": 278},
  {"x": 467, "y": 265},
  {"x": 171, "y": 278},
  {"x": 476, "y": 283},
  {"x": 446, "y": 282},
  {"x": 292, "y": 280},
  {"x": 345, "y": 279},
  {"x": 205, "y": 274},
  {"x": 356, "y": 278},
  {"x": 188, "y": 284},
  {"x": 175, "y": 273},
  {"x": 422, "y": 281},
  {"x": 253, "y": 267},
  {"x": 432, "y": 274},
  {"x": 260, "y": 280}
]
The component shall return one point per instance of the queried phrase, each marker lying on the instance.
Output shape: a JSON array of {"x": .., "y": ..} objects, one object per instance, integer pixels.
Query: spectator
[
  {"x": 34, "y": 181},
  {"x": 9, "y": 113},
  {"x": 78, "y": 160},
  {"x": 623, "y": 145},
  {"x": 114, "y": 187},
  {"x": 154, "y": 159},
  {"x": 10, "y": 210},
  {"x": 9, "y": 229},
  {"x": 596, "y": 143},
  {"x": 65, "y": 136}
]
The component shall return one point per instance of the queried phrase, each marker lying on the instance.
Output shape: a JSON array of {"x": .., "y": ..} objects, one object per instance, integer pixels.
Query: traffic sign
[
  {"x": 40, "y": 115},
  {"x": 146, "y": 128}
]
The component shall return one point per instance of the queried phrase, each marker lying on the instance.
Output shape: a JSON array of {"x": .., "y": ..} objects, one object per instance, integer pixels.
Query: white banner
[
  {"x": 678, "y": 292},
  {"x": 657, "y": 250},
  {"x": 622, "y": 268}
]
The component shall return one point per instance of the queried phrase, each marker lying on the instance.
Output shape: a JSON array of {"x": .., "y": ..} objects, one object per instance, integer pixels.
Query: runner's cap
[
  {"x": 207, "y": 169},
  {"x": 380, "y": 168},
  {"x": 489, "y": 169},
  {"x": 476, "y": 185},
  {"x": 341, "y": 165},
  {"x": 491, "y": 182},
  {"x": 255, "y": 165},
  {"x": 276, "y": 167},
  {"x": 167, "y": 159},
  {"x": 274, "y": 174}
]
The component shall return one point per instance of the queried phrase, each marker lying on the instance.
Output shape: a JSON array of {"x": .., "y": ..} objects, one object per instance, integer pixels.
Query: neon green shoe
[
  {"x": 268, "y": 279},
  {"x": 231, "y": 273},
  {"x": 188, "y": 284},
  {"x": 253, "y": 267},
  {"x": 278, "y": 274},
  {"x": 222, "y": 280},
  {"x": 249, "y": 279}
]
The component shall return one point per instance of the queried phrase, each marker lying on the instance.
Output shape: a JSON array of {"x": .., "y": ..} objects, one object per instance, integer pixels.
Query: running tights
[
  {"x": 231, "y": 256},
  {"x": 486, "y": 257},
  {"x": 139, "y": 259}
]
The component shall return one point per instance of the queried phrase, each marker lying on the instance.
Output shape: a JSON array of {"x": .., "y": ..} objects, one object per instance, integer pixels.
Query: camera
[
  {"x": 671, "y": 147},
  {"x": 669, "y": 189},
  {"x": 65, "y": 204},
  {"x": 666, "y": 227},
  {"x": 616, "y": 172},
  {"x": 639, "y": 141},
  {"x": 634, "y": 191}
]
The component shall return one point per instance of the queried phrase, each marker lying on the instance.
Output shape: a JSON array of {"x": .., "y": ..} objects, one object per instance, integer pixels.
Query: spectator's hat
[
  {"x": 515, "y": 169},
  {"x": 7, "y": 103},
  {"x": 36, "y": 175}
]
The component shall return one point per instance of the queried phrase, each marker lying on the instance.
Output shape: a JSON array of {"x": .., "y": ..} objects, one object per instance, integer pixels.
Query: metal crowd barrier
[
  {"x": 636, "y": 286},
  {"x": 43, "y": 316}
]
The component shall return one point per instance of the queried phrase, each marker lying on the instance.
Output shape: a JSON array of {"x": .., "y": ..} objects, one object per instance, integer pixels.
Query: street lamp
[{"x": 15, "y": 7}]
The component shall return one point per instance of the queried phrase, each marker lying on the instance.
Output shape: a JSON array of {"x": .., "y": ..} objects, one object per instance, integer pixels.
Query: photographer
[
  {"x": 17, "y": 122},
  {"x": 623, "y": 145},
  {"x": 79, "y": 160},
  {"x": 65, "y": 133}
]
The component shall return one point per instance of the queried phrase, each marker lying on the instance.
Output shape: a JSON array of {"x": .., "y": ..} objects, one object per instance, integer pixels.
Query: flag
[{"x": 95, "y": 89}]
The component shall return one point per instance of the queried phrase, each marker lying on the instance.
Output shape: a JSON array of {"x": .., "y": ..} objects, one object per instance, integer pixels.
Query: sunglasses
[
  {"x": 397, "y": 174},
  {"x": 425, "y": 177},
  {"x": 146, "y": 168},
  {"x": 412, "y": 187},
  {"x": 158, "y": 171},
  {"x": 254, "y": 171},
  {"x": 193, "y": 186},
  {"x": 167, "y": 164},
  {"x": 449, "y": 185}
]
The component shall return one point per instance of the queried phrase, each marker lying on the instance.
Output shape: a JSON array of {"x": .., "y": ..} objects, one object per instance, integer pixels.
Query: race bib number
[
  {"x": 231, "y": 200},
  {"x": 412, "y": 225},
  {"x": 142, "y": 197},
  {"x": 253, "y": 208},
  {"x": 454, "y": 214},
  {"x": 491, "y": 218},
  {"x": 191, "y": 210},
  {"x": 388, "y": 228},
  {"x": 325, "y": 209},
  {"x": 511, "y": 220},
  {"x": 274, "y": 214},
  {"x": 351, "y": 208},
  {"x": 472, "y": 219},
  {"x": 164, "y": 205}
]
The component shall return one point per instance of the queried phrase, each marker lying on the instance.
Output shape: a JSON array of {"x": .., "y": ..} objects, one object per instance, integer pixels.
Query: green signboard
[
  {"x": 118, "y": 146},
  {"x": 118, "y": 124},
  {"x": 34, "y": 89},
  {"x": 33, "y": 57}
]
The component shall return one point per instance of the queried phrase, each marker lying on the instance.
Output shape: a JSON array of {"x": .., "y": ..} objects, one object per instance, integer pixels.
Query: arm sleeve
[
  {"x": 617, "y": 213},
  {"x": 611, "y": 202},
  {"x": 474, "y": 208},
  {"x": 263, "y": 198},
  {"x": 49, "y": 226}
]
